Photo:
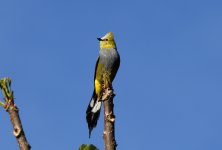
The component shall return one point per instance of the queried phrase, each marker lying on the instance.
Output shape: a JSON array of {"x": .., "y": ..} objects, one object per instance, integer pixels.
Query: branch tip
[{"x": 12, "y": 109}]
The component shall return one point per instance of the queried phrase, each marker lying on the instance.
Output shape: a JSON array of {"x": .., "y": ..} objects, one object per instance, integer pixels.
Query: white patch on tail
[
  {"x": 92, "y": 102},
  {"x": 96, "y": 107}
]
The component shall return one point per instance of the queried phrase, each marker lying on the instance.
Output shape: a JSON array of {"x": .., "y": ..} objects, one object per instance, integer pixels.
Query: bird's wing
[{"x": 96, "y": 68}]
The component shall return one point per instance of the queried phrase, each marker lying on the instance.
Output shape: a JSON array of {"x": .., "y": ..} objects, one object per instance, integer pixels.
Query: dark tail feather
[{"x": 93, "y": 112}]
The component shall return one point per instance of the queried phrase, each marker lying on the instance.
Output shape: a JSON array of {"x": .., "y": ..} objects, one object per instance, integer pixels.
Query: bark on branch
[
  {"x": 13, "y": 111},
  {"x": 109, "y": 120}
]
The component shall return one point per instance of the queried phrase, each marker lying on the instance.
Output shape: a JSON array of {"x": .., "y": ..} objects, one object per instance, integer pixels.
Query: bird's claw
[{"x": 107, "y": 94}]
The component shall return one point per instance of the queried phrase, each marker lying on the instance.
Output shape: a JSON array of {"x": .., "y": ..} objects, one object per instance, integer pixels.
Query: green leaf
[
  {"x": 5, "y": 85},
  {"x": 88, "y": 147},
  {"x": 2, "y": 104}
]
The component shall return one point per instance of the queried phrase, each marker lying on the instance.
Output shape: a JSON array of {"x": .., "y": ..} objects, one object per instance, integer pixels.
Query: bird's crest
[{"x": 109, "y": 36}]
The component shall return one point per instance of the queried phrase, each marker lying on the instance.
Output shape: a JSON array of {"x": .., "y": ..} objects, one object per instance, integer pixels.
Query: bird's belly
[{"x": 108, "y": 61}]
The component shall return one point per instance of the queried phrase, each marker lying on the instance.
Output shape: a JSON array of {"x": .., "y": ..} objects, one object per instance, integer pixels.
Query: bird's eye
[{"x": 106, "y": 39}]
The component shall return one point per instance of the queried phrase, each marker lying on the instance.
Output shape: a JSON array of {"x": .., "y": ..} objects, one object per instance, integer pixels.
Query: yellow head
[{"x": 107, "y": 41}]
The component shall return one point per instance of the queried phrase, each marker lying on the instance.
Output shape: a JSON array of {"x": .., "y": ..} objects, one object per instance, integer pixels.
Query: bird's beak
[{"x": 99, "y": 39}]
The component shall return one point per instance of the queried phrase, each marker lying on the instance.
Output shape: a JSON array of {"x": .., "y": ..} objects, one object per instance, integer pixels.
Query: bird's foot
[{"x": 108, "y": 92}]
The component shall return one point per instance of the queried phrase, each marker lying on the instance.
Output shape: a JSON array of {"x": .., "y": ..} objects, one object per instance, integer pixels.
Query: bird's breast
[{"x": 108, "y": 58}]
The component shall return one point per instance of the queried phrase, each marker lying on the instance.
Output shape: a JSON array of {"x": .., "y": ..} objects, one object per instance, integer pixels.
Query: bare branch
[
  {"x": 109, "y": 120},
  {"x": 12, "y": 109}
]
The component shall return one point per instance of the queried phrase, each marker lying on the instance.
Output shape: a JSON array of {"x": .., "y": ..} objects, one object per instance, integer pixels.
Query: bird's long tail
[{"x": 93, "y": 112}]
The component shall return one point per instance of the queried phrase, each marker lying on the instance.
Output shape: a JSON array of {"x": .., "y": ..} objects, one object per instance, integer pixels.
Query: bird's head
[{"x": 107, "y": 41}]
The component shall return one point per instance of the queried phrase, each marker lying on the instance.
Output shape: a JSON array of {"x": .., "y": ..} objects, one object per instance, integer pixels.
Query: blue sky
[{"x": 169, "y": 85}]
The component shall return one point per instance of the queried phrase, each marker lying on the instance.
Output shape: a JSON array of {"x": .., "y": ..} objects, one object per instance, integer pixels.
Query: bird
[{"x": 106, "y": 68}]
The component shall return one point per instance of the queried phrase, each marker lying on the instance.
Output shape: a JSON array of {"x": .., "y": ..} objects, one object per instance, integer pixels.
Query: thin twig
[{"x": 12, "y": 109}]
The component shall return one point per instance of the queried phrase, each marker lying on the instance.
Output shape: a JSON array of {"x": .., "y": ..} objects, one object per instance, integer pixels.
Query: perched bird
[{"x": 105, "y": 71}]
